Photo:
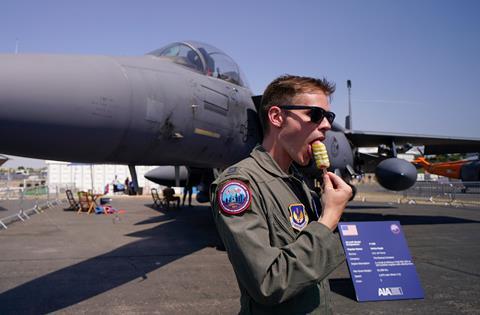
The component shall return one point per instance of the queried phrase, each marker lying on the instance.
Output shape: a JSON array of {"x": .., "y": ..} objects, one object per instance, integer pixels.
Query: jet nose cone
[
  {"x": 48, "y": 102},
  {"x": 10, "y": 94},
  {"x": 35, "y": 87},
  {"x": 19, "y": 86}
]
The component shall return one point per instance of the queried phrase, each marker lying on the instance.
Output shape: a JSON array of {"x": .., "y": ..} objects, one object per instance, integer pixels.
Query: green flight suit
[{"x": 279, "y": 269}]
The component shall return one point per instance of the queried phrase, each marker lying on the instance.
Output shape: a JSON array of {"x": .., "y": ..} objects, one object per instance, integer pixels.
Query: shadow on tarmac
[
  {"x": 157, "y": 247},
  {"x": 343, "y": 287},
  {"x": 182, "y": 232}
]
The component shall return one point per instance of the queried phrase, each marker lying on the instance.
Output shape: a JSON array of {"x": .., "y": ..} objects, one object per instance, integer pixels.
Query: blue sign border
[{"x": 379, "y": 261}]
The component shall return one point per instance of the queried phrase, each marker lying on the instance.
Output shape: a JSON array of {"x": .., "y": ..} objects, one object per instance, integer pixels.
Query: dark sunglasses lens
[
  {"x": 317, "y": 115},
  {"x": 330, "y": 117}
]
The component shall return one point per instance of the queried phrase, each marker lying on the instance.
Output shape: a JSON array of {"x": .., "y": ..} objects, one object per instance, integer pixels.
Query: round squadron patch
[
  {"x": 234, "y": 197},
  {"x": 298, "y": 216}
]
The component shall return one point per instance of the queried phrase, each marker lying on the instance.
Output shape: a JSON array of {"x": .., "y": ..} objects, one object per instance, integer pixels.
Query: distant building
[
  {"x": 428, "y": 177},
  {"x": 80, "y": 175}
]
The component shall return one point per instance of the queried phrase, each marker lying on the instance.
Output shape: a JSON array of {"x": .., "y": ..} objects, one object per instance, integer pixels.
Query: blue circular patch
[{"x": 234, "y": 197}]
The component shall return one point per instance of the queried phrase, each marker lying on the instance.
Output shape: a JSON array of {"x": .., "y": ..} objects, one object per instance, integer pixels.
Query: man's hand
[{"x": 336, "y": 194}]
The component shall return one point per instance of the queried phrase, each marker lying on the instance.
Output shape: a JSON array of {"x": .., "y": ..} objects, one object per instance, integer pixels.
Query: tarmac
[{"x": 150, "y": 261}]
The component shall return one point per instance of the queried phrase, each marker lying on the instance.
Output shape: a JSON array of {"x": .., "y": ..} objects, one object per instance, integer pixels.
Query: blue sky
[{"x": 414, "y": 65}]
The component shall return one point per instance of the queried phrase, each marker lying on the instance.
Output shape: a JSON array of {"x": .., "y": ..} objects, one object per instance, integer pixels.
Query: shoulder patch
[
  {"x": 234, "y": 197},
  {"x": 298, "y": 216}
]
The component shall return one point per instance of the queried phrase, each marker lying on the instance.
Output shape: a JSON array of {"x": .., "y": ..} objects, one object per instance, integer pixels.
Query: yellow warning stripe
[{"x": 207, "y": 133}]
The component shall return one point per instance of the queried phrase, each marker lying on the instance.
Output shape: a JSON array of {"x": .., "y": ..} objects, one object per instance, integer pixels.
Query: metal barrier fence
[
  {"x": 19, "y": 203},
  {"x": 456, "y": 194},
  {"x": 449, "y": 193}
]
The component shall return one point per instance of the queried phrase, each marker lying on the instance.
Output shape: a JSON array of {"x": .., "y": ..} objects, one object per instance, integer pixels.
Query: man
[
  {"x": 127, "y": 186},
  {"x": 278, "y": 240},
  {"x": 187, "y": 190},
  {"x": 169, "y": 195}
]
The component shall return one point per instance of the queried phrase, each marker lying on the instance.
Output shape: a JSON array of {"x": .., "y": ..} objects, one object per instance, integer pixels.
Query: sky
[{"x": 413, "y": 64}]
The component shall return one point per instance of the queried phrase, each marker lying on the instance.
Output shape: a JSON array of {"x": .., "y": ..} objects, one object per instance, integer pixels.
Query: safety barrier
[
  {"x": 19, "y": 203},
  {"x": 456, "y": 194},
  {"x": 448, "y": 193}
]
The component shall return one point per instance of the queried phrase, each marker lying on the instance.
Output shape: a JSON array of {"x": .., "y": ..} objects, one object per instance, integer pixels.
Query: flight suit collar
[{"x": 265, "y": 161}]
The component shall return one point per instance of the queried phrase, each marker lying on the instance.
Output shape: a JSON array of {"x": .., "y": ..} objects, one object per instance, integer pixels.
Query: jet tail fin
[{"x": 421, "y": 161}]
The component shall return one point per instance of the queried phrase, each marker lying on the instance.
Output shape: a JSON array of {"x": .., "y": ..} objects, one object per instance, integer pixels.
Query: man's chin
[{"x": 303, "y": 162}]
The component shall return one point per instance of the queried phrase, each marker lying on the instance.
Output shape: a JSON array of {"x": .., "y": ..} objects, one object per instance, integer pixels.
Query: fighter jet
[{"x": 186, "y": 104}]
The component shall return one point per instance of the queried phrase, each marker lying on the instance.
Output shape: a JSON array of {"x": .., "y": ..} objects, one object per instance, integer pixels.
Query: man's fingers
[
  {"x": 327, "y": 183},
  {"x": 336, "y": 181}
]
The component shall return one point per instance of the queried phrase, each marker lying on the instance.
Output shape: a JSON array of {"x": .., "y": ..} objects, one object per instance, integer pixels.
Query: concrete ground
[{"x": 147, "y": 261}]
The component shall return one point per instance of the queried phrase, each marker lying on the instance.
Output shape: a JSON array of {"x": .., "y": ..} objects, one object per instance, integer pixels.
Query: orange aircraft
[{"x": 466, "y": 170}]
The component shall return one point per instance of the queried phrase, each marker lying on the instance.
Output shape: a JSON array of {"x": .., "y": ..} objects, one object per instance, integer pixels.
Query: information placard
[{"x": 379, "y": 261}]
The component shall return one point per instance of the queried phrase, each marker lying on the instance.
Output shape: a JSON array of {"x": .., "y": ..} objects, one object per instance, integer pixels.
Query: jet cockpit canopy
[{"x": 203, "y": 58}]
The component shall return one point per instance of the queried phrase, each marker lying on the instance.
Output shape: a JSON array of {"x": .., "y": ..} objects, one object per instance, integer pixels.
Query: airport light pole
[{"x": 348, "y": 122}]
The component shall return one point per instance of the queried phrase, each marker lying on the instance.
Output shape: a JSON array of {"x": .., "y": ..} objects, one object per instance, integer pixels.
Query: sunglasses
[{"x": 317, "y": 114}]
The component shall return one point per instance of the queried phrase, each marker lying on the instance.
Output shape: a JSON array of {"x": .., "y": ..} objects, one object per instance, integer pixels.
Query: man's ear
[{"x": 275, "y": 116}]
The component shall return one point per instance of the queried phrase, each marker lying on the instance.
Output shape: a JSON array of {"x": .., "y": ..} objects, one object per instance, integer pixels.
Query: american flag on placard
[{"x": 349, "y": 230}]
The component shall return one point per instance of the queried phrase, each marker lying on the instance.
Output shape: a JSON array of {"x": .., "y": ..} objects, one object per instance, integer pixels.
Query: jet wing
[
  {"x": 433, "y": 144},
  {"x": 3, "y": 159}
]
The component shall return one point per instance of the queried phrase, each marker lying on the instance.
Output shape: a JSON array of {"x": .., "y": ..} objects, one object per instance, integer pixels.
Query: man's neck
[{"x": 279, "y": 155}]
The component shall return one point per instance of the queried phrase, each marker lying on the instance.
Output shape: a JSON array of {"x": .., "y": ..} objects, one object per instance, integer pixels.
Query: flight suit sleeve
[{"x": 272, "y": 275}]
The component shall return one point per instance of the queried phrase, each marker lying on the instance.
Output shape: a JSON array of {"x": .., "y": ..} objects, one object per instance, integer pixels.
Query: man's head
[
  {"x": 295, "y": 112},
  {"x": 284, "y": 89}
]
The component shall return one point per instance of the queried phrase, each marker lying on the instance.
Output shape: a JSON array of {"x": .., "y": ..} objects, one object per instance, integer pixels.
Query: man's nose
[{"x": 324, "y": 125}]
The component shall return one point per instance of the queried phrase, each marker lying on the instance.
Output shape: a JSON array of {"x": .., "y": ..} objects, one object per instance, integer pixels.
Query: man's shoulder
[
  {"x": 247, "y": 169},
  {"x": 231, "y": 192}
]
